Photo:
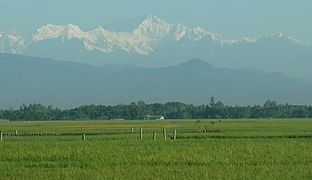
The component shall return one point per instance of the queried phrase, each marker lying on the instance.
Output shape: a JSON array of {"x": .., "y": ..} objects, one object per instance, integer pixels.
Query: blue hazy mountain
[
  {"x": 153, "y": 42},
  {"x": 26, "y": 79}
]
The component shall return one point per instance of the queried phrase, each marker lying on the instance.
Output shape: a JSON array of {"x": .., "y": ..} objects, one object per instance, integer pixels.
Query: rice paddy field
[{"x": 203, "y": 149}]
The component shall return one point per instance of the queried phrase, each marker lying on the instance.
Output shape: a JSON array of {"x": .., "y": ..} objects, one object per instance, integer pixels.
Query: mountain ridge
[
  {"x": 68, "y": 84},
  {"x": 155, "y": 42},
  {"x": 150, "y": 29}
]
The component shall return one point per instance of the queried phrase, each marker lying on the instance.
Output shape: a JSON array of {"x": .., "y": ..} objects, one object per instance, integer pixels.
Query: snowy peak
[
  {"x": 153, "y": 28},
  {"x": 48, "y": 31},
  {"x": 157, "y": 29},
  {"x": 74, "y": 31},
  {"x": 12, "y": 43},
  {"x": 51, "y": 31},
  {"x": 109, "y": 41}
]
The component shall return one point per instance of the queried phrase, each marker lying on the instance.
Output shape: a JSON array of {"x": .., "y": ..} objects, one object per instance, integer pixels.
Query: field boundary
[{"x": 32, "y": 134}]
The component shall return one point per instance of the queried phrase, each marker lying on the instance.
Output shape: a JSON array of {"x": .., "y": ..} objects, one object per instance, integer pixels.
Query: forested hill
[{"x": 171, "y": 110}]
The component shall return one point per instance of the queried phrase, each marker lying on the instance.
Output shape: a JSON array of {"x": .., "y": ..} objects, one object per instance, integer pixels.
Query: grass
[{"x": 116, "y": 153}]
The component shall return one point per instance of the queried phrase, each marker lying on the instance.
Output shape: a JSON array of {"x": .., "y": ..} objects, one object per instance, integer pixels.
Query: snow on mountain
[
  {"x": 12, "y": 43},
  {"x": 198, "y": 33},
  {"x": 151, "y": 41},
  {"x": 108, "y": 41},
  {"x": 142, "y": 40},
  {"x": 180, "y": 32},
  {"x": 153, "y": 28},
  {"x": 98, "y": 39},
  {"x": 51, "y": 31}
]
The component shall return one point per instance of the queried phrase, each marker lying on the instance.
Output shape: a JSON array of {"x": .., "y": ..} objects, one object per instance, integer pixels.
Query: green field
[{"x": 231, "y": 149}]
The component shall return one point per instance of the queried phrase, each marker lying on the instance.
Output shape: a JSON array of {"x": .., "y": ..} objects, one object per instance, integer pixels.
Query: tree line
[{"x": 170, "y": 110}]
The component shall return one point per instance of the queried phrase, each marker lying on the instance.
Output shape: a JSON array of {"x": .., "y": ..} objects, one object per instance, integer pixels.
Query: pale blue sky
[{"x": 230, "y": 18}]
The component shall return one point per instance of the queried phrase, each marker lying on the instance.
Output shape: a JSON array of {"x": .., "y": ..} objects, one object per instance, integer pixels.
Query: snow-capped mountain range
[
  {"x": 156, "y": 42},
  {"x": 141, "y": 40}
]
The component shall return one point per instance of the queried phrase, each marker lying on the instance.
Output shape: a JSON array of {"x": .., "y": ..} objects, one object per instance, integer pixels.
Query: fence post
[
  {"x": 132, "y": 130},
  {"x": 83, "y": 137},
  {"x": 154, "y": 135},
  {"x": 141, "y": 133},
  {"x": 1, "y": 136},
  {"x": 175, "y": 134},
  {"x": 165, "y": 133},
  {"x": 15, "y": 132}
]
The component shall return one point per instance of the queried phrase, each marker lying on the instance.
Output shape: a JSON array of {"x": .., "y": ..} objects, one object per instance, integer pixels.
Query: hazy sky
[{"x": 230, "y": 18}]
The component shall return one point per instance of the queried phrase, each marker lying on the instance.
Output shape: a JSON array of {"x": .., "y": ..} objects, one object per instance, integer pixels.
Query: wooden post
[
  {"x": 132, "y": 130},
  {"x": 15, "y": 132},
  {"x": 154, "y": 135},
  {"x": 165, "y": 133},
  {"x": 1, "y": 135},
  {"x": 83, "y": 137},
  {"x": 141, "y": 133},
  {"x": 175, "y": 134}
]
